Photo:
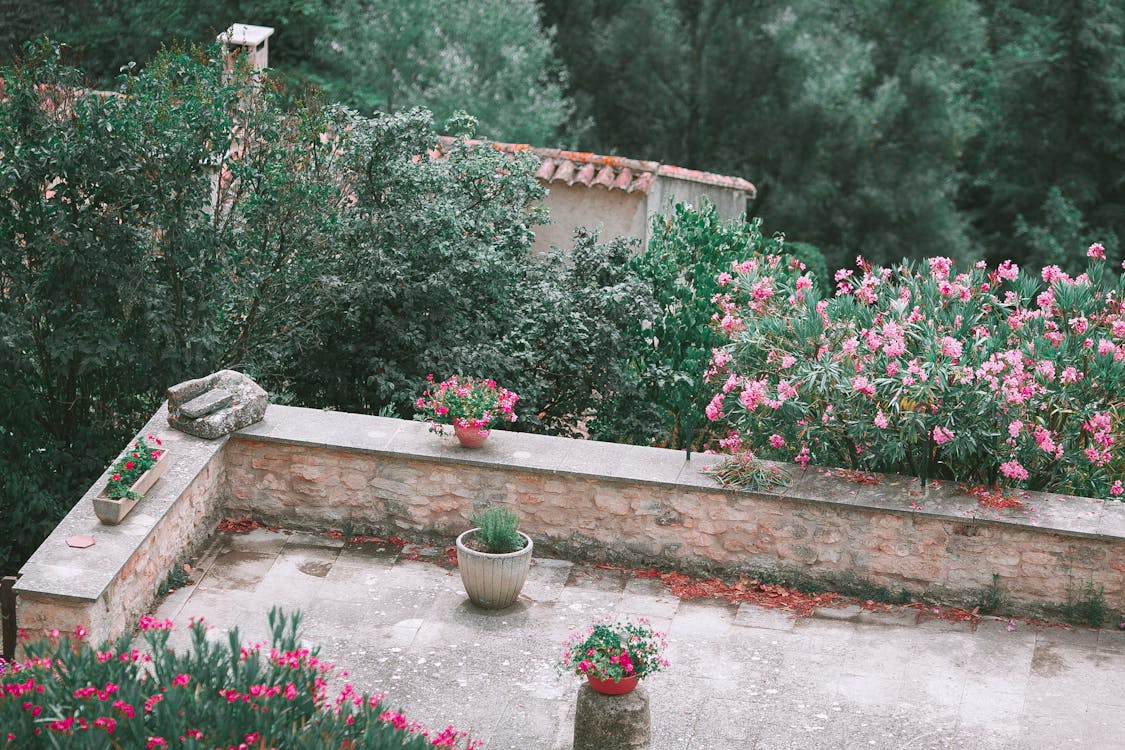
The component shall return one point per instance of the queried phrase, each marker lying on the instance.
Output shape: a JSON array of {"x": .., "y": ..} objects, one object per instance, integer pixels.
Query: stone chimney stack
[{"x": 244, "y": 39}]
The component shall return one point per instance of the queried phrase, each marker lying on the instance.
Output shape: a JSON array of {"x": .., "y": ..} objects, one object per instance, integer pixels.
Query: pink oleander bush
[
  {"x": 983, "y": 376},
  {"x": 465, "y": 402},
  {"x": 70, "y": 693}
]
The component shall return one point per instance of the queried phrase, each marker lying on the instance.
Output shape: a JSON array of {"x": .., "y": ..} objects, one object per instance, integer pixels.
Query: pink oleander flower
[
  {"x": 940, "y": 268},
  {"x": 714, "y": 409},
  {"x": 942, "y": 435},
  {"x": 1079, "y": 324},
  {"x": 1013, "y": 470},
  {"x": 1096, "y": 251},
  {"x": 1014, "y": 428},
  {"x": 860, "y": 384},
  {"x": 1008, "y": 271},
  {"x": 724, "y": 278},
  {"x": 881, "y": 420},
  {"x": 777, "y": 441},
  {"x": 1116, "y": 490},
  {"x": 1054, "y": 273},
  {"x": 950, "y": 347}
]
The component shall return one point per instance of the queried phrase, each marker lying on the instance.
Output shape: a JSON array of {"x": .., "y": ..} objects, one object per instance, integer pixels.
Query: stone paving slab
[{"x": 741, "y": 676}]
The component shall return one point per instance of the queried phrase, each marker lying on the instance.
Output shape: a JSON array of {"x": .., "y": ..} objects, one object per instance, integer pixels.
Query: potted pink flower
[
  {"x": 614, "y": 656},
  {"x": 471, "y": 405}
]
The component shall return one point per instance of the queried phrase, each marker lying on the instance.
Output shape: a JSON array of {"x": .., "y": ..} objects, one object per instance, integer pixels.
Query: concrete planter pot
[
  {"x": 493, "y": 581},
  {"x": 111, "y": 511}
]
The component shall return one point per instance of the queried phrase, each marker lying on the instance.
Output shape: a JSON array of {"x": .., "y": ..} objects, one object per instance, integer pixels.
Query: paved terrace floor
[{"x": 742, "y": 676}]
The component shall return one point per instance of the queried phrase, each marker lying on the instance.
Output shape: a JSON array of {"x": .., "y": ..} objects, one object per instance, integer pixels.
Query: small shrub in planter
[
  {"x": 497, "y": 532},
  {"x": 465, "y": 402},
  {"x": 494, "y": 558},
  {"x": 68, "y": 693}
]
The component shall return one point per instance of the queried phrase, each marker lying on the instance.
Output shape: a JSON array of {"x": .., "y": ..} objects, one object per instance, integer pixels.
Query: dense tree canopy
[
  {"x": 881, "y": 128},
  {"x": 970, "y": 128}
]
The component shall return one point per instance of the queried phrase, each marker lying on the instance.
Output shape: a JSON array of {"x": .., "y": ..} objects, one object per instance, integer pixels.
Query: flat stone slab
[{"x": 209, "y": 402}]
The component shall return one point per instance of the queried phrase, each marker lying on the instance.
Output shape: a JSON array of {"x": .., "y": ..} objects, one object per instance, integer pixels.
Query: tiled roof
[{"x": 612, "y": 172}]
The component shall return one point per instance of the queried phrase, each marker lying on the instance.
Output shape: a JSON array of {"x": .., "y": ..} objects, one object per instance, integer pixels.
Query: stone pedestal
[{"x": 612, "y": 722}]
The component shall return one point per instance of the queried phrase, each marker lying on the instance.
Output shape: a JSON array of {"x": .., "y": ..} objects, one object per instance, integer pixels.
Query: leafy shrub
[
  {"x": 661, "y": 399},
  {"x": 498, "y": 530},
  {"x": 69, "y": 693},
  {"x": 981, "y": 376},
  {"x": 573, "y": 334}
]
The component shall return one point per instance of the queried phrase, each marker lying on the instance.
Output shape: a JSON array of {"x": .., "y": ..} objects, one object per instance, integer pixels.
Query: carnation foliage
[
  {"x": 70, "y": 693},
  {"x": 983, "y": 375},
  {"x": 126, "y": 470}
]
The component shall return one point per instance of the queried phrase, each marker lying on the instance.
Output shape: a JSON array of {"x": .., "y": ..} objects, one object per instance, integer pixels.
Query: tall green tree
[
  {"x": 850, "y": 118},
  {"x": 491, "y": 58},
  {"x": 1048, "y": 162}
]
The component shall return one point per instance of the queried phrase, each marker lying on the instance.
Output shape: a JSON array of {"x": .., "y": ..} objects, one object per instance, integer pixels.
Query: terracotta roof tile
[
  {"x": 624, "y": 179},
  {"x": 612, "y": 172},
  {"x": 642, "y": 183},
  {"x": 546, "y": 170},
  {"x": 586, "y": 174},
  {"x": 605, "y": 177},
  {"x": 564, "y": 172}
]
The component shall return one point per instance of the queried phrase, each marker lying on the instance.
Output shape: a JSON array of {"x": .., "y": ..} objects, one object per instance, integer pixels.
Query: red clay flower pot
[
  {"x": 470, "y": 437},
  {"x": 609, "y": 687}
]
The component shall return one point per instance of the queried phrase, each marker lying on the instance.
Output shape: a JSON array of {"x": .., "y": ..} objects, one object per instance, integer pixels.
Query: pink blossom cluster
[
  {"x": 60, "y": 691},
  {"x": 997, "y": 374}
]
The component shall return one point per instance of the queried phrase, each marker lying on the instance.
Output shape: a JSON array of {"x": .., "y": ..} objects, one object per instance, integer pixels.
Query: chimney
[{"x": 244, "y": 39}]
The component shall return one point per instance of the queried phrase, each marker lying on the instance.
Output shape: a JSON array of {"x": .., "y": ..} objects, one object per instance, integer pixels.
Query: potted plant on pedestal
[
  {"x": 614, "y": 656},
  {"x": 493, "y": 559},
  {"x": 469, "y": 404}
]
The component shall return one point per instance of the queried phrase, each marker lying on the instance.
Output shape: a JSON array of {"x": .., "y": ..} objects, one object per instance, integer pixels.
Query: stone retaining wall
[
  {"x": 648, "y": 507},
  {"x": 579, "y": 499},
  {"x": 106, "y": 587}
]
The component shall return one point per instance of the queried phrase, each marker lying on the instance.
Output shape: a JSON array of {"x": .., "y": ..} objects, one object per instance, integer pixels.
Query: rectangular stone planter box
[{"x": 111, "y": 511}]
